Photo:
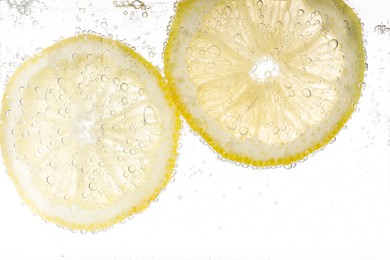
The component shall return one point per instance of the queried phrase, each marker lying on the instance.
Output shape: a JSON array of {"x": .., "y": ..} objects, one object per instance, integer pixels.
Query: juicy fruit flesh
[
  {"x": 261, "y": 105},
  {"x": 264, "y": 69},
  {"x": 91, "y": 123},
  {"x": 90, "y": 136},
  {"x": 275, "y": 80}
]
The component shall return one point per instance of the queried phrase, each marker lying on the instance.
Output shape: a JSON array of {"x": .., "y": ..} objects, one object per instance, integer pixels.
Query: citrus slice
[
  {"x": 265, "y": 82},
  {"x": 88, "y": 134}
]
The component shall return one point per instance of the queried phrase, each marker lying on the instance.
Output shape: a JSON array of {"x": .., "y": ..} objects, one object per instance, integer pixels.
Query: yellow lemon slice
[
  {"x": 88, "y": 134},
  {"x": 265, "y": 82}
]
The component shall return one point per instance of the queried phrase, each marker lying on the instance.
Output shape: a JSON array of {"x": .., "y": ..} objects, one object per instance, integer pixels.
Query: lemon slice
[
  {"x": 266, "y": 82},
  {"x": 88, "y": 135}
]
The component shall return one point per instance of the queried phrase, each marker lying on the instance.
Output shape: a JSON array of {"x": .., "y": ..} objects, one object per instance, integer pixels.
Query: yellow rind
[
  {"x": 184, "y": 7},
  {"x": 124, "y": 215}
]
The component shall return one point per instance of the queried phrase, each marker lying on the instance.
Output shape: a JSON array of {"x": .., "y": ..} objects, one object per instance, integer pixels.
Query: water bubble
[
  {"x": 214, "y": 49},
  {"x": 116, "y": 81},
  {"x": 124, "y": 86},
  {"x": 237, "y": 37},
  {"x": 60, "y": 81},
  {"x": 82, "y": 10},
  {"x": 124, "y": 100},
  {"x": 259, "y": 4},
  {"x": 290, "y": 166},
  {"x": 145, "y": 14},
  {"x": 210, "y": 67},
  {"x": 137, "y": 4},
  {"x": 231, "y": 122},
  {"x": 243, "y": 130},
  {"x": 50, "y": 180},
  {"x": 189, "y": 50},
  {"x": 103, "y": 78},
  {"x": 27, "y": 12},
  {"x": 84, "y": 195},
  {"x": 306, "y": 92},
  {"x": 380, "y": 29},
  {"x": 227, "y": 11},
  {"x": 149, "y": 115},
  {"x": 333, "y": 43},
  {"x": 131, "y": 168},
  {"x": 92, "y": 187}
]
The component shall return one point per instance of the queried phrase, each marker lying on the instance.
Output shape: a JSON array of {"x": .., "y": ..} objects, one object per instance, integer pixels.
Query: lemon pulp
[
  {"x": 88, "y": 134},
  {"x": 265, "y": 82}
]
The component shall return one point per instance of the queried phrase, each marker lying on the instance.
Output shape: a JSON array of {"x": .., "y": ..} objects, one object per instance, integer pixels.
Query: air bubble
[
  {"x": 60, "y": 81},
  {"x": 215, "y": 50},
  {"x": 306, "y": 92},
  {"x": 227, "y": 11},
  {"x": 231, "y": 122},
  {"x": 124, "y": 100},
  {"x": 380, "y": 29},
  {"x": 116, "y": 81},
  {"x": 103, "y": 25},
  {"x": 237, "y": 37},
  {"x": 131, "y": 168},
  {"x": 210, "y": 67},
  {"x": 124, "y": 86},
  {"x": 149, "y": 115},
  {"x": 92, "y": 187},
  {"x": 300, "y": 12},
  {"x": 144, "y": 14},
  {"x": 50, "y": 180},
  {"x": 243, "y": 130},
  {"x": 27, "y": 12},
  {"x": 259, "y": 4},
  {"x": 137, "y": 4},
  {"x": 333, "y": 43}
]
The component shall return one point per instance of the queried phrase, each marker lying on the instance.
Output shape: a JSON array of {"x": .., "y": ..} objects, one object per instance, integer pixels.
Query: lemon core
[{"x": 264, "y": 69}]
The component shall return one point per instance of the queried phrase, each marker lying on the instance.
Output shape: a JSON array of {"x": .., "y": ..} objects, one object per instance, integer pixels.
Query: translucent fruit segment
[
  {"x": 88, "y": 134},
  {"x": 265, "y": 82}
]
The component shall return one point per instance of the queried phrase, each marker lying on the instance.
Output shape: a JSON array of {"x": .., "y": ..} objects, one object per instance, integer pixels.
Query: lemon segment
[
  {"x": 265, "y": 82},
  {"x": 89, "y": 136}
]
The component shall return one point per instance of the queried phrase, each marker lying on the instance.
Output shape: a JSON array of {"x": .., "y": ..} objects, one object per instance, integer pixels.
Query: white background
[{"x": 335, "y": 205}]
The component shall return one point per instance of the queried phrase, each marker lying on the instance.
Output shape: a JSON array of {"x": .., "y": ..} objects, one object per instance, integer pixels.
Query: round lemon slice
[
  {"x": 265, "y": 82},
  {"x": 88, "y": 134}
]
